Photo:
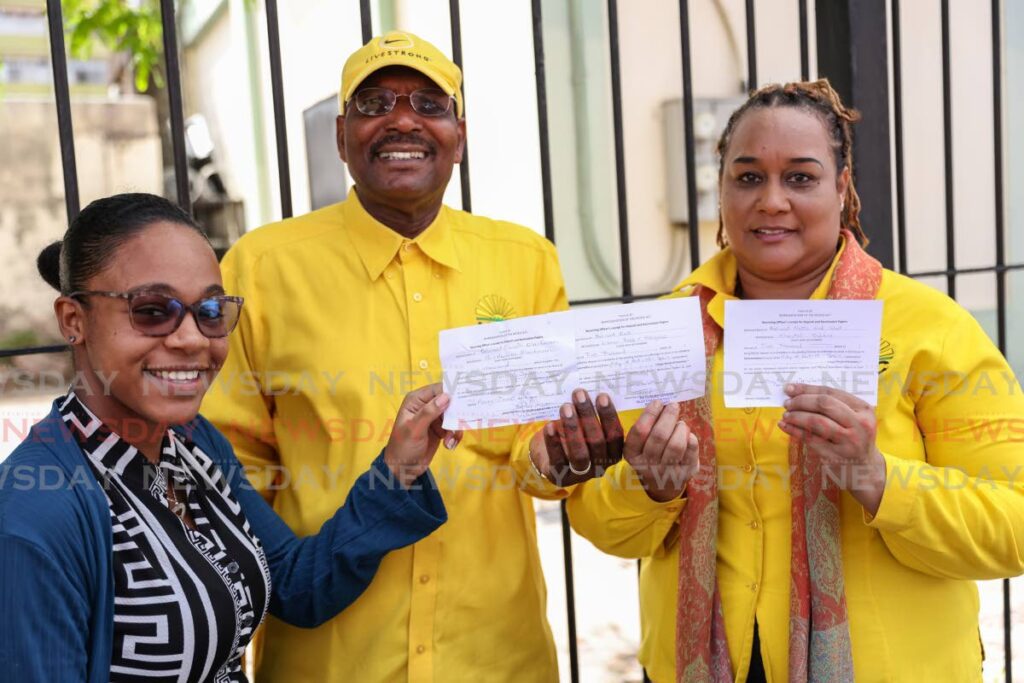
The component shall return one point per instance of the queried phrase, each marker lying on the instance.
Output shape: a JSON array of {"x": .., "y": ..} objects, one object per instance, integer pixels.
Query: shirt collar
[
  {"x": 377, "y": 244},
  {"x": 719, "y": 275}
]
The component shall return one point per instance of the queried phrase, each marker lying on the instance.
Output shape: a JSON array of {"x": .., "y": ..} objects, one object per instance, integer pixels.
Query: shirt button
[
  {"x": 420, "y": 649},
  {"x": 417, "y": 297},
  {"x": 748, "y": 468},
  {"x": 753, "y": 587},
  {"x": 424, "y": 365},
  {"x": 754, "y": 524},
  {"x": 424, "y": 579},
  {"x": 390, "y": 276},
  {"x": 748, "y": 411},
  {"x": 407, "y": 246},
  {"x": 437, "y": 276}
]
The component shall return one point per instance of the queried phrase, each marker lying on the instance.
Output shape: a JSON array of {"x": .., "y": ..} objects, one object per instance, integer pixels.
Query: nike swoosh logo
[{"x": 393, "y": 40}]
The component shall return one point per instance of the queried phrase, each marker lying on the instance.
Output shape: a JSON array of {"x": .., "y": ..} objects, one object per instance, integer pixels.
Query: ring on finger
[{"x": 583, "y": 471}]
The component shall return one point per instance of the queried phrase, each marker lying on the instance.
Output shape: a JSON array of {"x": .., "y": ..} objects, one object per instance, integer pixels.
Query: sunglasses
[
  {"x": 159, "y": 315},
  {"x": 425, "y": 102}
]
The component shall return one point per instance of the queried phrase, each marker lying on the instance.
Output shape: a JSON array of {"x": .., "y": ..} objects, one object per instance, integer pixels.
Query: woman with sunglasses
[{"x": 131, "y": 545}]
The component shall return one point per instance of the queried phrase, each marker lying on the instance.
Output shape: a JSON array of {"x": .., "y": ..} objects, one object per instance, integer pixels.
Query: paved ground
[{"x": 607, "y": 613}]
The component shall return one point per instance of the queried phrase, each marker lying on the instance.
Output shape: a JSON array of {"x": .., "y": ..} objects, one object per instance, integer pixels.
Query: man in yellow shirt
[{"x": 343, "y": 309}]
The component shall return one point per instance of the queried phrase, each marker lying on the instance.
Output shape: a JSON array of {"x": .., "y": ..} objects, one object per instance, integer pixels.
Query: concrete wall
[{"x": 117, "y": 149}]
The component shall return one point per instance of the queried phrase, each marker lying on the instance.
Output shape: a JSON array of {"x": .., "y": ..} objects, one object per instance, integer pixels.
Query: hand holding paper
[{"x": 521, "y": 370}]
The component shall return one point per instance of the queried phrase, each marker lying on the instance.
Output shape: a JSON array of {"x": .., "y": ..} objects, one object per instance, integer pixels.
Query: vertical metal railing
[
  {"x": 1000, "y": 247},
  {"x": 280, "y": 125},
  {"x": 805, "y": 49},
  {"x": 692, "y": 214},
  {"x": 620, "y": 153},
  {"x": 947, "y": 139},
  {"x": 897, "y": 104},
  {"x": 176, "y": 105},
  {"x": 950, "y": 273},
  {"x": 456, "y": 22},
  {"x": 365, "y": 20},
  {"x": 540, "y": 73},
  {"x": 65, "y": 129},
  {"x": 751, "y": 46}
]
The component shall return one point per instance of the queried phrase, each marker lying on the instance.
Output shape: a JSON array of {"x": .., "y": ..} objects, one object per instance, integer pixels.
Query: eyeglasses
[
  {"x": 425, "y": 102},
  {"x": 159, "y": 315}
]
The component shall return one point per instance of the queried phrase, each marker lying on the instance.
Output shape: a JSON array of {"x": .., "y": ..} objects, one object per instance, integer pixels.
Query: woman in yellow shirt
[{"x": 755, "y": 568}]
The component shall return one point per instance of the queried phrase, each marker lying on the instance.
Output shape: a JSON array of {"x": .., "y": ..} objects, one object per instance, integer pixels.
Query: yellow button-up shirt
[
  {"x": 341, "y": 320},
  {"x": 950, "y": 426}
]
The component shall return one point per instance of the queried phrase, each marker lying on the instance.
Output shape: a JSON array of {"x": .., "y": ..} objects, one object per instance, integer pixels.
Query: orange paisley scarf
[{"x": 819, "y": 634}]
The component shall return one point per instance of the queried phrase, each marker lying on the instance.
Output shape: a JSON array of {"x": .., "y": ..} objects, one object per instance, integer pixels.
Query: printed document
[
  {"x": 522, "y": 370},
  {"x": 770, "y": 343}
]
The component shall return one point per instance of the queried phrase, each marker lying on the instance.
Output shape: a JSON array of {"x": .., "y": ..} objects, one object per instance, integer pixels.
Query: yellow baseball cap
[{"x": 401, "y": 48}]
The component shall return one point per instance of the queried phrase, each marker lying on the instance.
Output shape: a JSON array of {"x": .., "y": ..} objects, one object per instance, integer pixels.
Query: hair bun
[{"x": 48, "y": 263}]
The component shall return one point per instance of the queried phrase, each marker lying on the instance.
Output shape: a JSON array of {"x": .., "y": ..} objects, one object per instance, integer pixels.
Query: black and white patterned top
[{"x": 186, "y": 601}]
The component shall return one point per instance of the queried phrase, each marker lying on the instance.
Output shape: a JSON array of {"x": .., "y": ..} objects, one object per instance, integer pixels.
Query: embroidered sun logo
[
  {"x": 494, "y": 308},
  {"x": 885, "y": 356}
]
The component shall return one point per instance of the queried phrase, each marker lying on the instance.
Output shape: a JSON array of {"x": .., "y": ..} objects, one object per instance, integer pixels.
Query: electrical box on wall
[{"x": 710, "y": 116}]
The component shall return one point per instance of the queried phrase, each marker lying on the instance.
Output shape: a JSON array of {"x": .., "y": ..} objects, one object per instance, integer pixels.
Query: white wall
[{"x": 503, "y": 127}]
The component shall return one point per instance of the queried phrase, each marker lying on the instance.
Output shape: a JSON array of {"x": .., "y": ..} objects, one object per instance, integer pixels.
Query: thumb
[{"x": 431, "y": 410}]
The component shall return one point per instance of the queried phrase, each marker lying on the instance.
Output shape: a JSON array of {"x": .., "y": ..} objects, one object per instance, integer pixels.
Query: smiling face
[
  {"x": 400, "y": 159},
  {"x": 781, "y": 195},
  {"x": 133, "y": 381}
]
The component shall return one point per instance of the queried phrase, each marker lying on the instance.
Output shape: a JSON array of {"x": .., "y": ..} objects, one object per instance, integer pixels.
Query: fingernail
[
  {"x": 579, "y": 396},
  {"x": 567, "y": 411},
  {"x": 656, "y": 404},
  {"x": 785, "y": 416},
  {"x": 787, "y": 402},
  {"x": 450, "y": 443},
  {"x": 603, "y": 400},
  {"x": 550, "y": 428},
  {"x": 782, "y": 425},
  {"x": 442, "y": 401},
  {"x": 789, "y": 388}
]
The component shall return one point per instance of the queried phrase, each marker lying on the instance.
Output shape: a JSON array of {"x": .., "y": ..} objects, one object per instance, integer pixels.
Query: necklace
[{"x": 173, "y": 504}]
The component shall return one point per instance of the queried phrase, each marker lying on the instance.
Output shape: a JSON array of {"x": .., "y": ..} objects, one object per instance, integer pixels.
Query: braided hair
[{"x": 819, "y": 98}]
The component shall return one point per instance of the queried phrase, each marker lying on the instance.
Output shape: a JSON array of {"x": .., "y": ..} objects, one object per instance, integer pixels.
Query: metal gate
[{"x": 852, "y": 45}]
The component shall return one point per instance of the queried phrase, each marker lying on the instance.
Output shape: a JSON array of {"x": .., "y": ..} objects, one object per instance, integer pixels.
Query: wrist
[{"x": 869, "y": 488}]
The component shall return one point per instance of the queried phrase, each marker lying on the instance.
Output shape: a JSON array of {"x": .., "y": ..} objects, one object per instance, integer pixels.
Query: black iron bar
[
  {"x": 616, "y": 299},
  {"x": 366, "y": 20},
  {"x": 1000, "y": 211},
  {"x": 456, "y": 21},
  {"x": 32, "y": 350},
  {"x": 947, "y": 136},
  {"x": 570, "y": 594},
  {"x": 805, "y": 52},
  {"x": 620, "y": 156},
  {"x": 690, "y": 151},
  {"x": 65, "y": 129},
  {"x": 751, "y": 48},
  {"x": 542, "y": 121},
  {"x": 280, "y": 129},
  {"x": 897, "y": 99},
  {"x": 177, "y": 108}
]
